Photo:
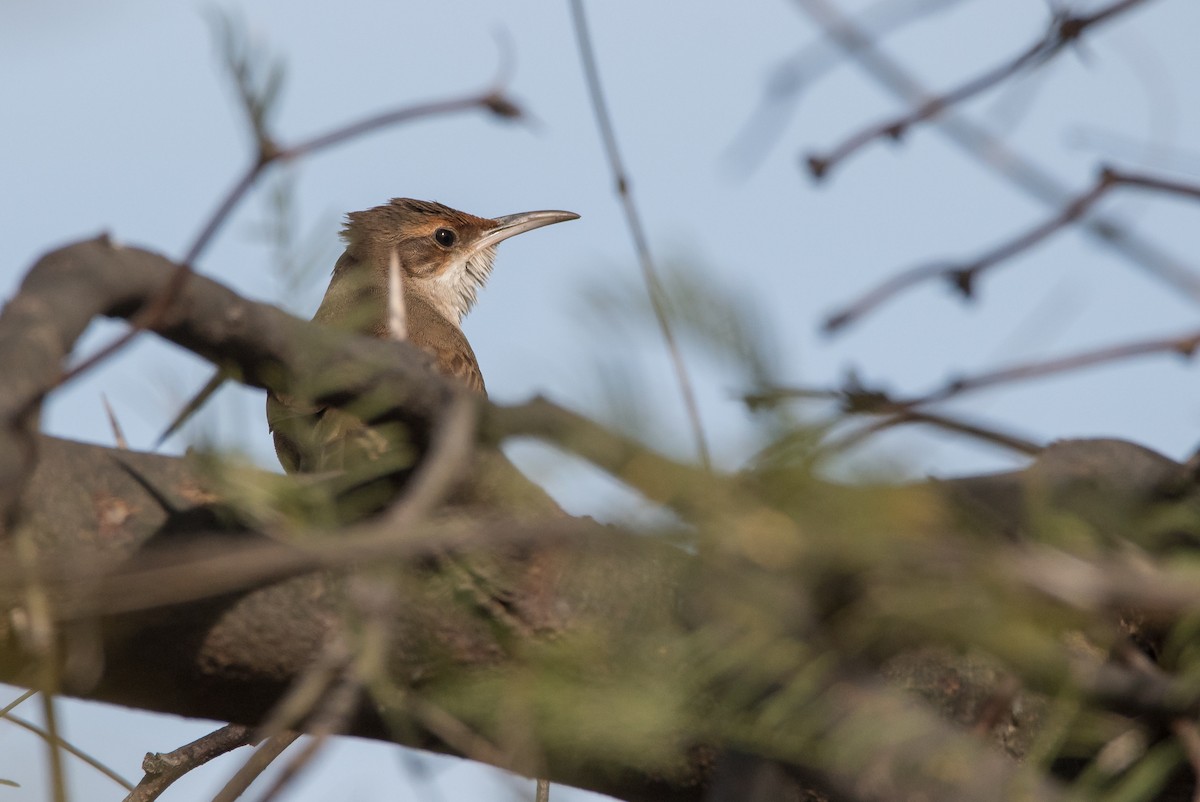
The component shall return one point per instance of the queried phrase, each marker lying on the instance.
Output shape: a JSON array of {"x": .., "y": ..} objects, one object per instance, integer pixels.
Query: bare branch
[
  {"x": 161, "y": 770},
  {"x": 66, "y": 746},
  {"x": 15, "y": 703},
  {"x": 636, "y": 230},
  {"x": 250, "y": 771},
  {"x": 491, "y": 99},
  {"x": 993, "y": 152},
  {"x": 797, "y": 72},
  {"x": 957, "y": 426},
  {"x": 963, "y": 277},
  {"x": 1184, "y": 345},
  {"x": 1064, "y": 29},
  {"x": 856, "y": 399}
]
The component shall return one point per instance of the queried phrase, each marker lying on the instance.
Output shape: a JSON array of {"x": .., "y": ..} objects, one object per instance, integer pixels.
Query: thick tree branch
[{"x": 168, "y": 600}]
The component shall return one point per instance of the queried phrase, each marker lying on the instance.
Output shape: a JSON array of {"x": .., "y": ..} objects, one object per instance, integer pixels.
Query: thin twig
[
  {"x": 1185, "y": 345},
  {"x": 492, "y": 99},
  {"x": 330, "y": 719},
  {"x": 306, "y": 691},
  {"x": 312, "y": 693},
  {"x": 799, "y": 71},
  {"x": 636, "y": 229},
  {"x": 945, "y": 422},
  {"x": 54, "y": 746},
  {"x": 542, "y": 793},
  {"x": 450, "y": 449},
  {"x": 963, "y": 277},
  {"x": 994, "y": 152},
  {"x": 188, "y": 576},
  {"x": 855, "y": 398},
  {"x": 1064, "y": 29},
  {"x": 70, "y": 748},
  {"x": 454, "y": 732},
  {"x": 250, "y": 771},
  {"x": 15, "y": 703},
  {"x": 163, "y": 769}
]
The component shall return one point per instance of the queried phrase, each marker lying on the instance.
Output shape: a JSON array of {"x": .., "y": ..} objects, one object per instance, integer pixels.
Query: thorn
[
  {"x": 835, "y": 322},
  {"x": 397, "y": 314},
  {"x": 817, "y": 167},
  {"x": 189, "y": 409},
  {"x": 502, "y": 107},
  {"x": 118, "y": 435},
  {"x": 963, "y": 281}
]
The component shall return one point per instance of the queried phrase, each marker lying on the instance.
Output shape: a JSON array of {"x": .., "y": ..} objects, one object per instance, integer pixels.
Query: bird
[{"x": 445, "y": 257}]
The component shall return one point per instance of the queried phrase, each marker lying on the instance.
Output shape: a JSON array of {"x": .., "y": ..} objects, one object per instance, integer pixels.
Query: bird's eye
[{"x": 444, "y": 237}]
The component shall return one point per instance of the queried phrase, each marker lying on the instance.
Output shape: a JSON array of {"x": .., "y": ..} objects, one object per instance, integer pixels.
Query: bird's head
[{"x": 446, "y": 255}]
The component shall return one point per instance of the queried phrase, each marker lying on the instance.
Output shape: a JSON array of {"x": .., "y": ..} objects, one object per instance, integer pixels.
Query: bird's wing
[
  {"x": 433, "y": 333},
  {"x": 291, "y": 426}
]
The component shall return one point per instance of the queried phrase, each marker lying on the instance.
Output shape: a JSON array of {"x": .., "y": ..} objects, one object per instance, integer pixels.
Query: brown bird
[{"x": 445, "y": 257}]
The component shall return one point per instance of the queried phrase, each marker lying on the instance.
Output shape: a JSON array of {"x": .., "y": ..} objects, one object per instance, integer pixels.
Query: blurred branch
[
  {"x": 492, "y": 99},
  {"x": 854, "y": 398},
  {"x": 321, "y": 699},
  {"x": 1184, "y": 345},
  {"x": 636, "y": 229},
  {"x": 1064, "y": 29},
  {"x": 939, "y": 421},
  {"x": 763, "y": 643},
  {"x": 800, "y": 70},
  {"x": 66, "y": 746},
  {"x": 994, "y": 152},
  {"x": 114, "y": 424},
  {"x": 963, "y": 277},
  {"x": 255, "y": 765}
]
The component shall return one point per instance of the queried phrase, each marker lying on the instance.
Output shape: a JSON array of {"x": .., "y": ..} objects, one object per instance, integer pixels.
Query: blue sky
[{"x": 119, "y": 119}]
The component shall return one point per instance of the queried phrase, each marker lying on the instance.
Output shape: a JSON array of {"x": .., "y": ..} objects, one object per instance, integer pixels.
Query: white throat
[{"x": 453, "y": 293}]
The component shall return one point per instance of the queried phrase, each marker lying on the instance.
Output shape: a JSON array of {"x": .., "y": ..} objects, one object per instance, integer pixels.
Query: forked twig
[
  {"x": 163, "y": 769},
  {"x": 947, "y": 423},
  {"x": 855, "y": 398},
  {"x": 1064, "y": 29},
  {"x": 963, "y": 277},
  {"x": 994, "y": 153},
  {"x": 491, "y": 99}
]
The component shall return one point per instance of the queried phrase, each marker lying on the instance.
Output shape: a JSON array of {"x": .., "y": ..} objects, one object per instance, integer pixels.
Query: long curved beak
[{"x": 512, "y": 224}]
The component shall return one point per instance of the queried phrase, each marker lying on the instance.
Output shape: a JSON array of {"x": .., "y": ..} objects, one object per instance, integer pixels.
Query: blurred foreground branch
[{"x": 608, "y": 658}]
